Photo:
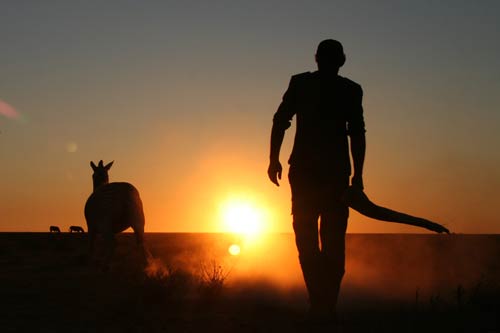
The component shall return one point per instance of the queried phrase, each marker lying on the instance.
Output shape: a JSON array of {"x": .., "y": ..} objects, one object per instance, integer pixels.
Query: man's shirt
[{"x": 328, "y": 109}]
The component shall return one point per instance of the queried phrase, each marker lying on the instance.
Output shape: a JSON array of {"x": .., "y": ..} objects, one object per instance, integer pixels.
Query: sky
[{"x": 181, "y": 94}]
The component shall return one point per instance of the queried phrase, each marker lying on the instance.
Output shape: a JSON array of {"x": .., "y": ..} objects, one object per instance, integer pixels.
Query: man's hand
[
  {"x": 274, "y": 171},
  {"x": 357, "y": 181}
]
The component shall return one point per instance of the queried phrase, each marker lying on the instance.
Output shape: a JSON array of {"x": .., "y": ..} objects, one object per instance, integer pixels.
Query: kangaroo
[
  {"x": 54, "y": 228},
  {"x": 111, "y": 209},
  {"x": 75, "y": 228}
]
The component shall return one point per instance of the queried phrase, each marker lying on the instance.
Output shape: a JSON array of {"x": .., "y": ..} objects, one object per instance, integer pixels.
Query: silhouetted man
[{"x": 328, "y": 111}]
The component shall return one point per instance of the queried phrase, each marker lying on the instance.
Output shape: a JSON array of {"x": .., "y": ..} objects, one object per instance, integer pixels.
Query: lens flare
[
  {"x": 8, "y": 111},
  {"x": 71, "y": 147},
  {"x": 234, "y": 250}
]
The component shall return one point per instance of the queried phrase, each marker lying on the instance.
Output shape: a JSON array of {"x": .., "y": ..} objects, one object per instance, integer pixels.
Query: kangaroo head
[{"x": 100, "y": 176}]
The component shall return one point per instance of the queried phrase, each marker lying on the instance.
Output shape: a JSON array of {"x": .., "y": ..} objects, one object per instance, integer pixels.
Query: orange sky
[{"x": 182, "y": 98}]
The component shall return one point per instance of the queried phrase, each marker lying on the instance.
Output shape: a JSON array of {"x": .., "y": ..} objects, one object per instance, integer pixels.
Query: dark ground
[{"x": 395, "y": 283}]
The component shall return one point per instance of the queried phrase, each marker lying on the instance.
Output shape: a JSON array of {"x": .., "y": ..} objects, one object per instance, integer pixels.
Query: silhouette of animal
[
  {"x": 358, "y": 200},
  {"x": 75, "y": 228},
  {"x": 54, "y": 228},
  {"x": 111, "y": 209}
]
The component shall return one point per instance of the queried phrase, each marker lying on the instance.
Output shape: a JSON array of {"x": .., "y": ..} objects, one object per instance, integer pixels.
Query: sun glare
[{"x": 242, "y": 218}]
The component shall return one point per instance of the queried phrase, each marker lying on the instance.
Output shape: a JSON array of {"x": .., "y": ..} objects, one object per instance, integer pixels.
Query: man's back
[{"x": 328, "y": 108}]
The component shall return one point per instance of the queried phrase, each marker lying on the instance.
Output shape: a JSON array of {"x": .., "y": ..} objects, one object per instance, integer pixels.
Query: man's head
[{"x": 330, "y": 55}]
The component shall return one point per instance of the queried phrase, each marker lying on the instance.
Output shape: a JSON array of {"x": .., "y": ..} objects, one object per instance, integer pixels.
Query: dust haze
[{"x": 388, "y": 267}]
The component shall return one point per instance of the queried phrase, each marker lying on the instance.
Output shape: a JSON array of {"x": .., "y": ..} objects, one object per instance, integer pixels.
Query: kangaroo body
[
  {"x": 114, "y": 207},
  {"x": 111, "y": 209},
  {"x": 75, "y": 228},
  {"x": 54, "y": 228}
]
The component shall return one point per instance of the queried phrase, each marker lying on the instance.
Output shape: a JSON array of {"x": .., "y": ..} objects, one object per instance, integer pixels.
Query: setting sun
[{"x": 242, "y": 217}]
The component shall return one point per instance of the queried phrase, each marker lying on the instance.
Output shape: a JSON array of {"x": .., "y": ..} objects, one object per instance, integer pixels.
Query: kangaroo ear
[
  {"x": 93, "y": 165},
  {"x": 100, "y": 164},
  {"x": 108, "y": 166}
]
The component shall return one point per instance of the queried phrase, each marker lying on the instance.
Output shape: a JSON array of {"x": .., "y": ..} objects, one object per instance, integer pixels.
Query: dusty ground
[{"x": 439, "y": 285}]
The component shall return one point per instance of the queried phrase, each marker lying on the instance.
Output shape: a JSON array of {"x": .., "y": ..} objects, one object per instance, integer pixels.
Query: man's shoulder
[
  {"x": 302, "y": 76},
  {"x": 350, "y": 84},
  {"x": 308, "y": 76}
]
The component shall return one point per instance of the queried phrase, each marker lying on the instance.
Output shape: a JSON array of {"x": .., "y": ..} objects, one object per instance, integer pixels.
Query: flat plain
[{"x": 393, "y": 283}]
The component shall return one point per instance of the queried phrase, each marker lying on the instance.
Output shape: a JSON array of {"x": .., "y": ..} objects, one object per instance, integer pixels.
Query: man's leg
[
  {"x": 333, "y": 254},
  {"x": 305, "y": 227},
  {"x": 332, "y": 234}
]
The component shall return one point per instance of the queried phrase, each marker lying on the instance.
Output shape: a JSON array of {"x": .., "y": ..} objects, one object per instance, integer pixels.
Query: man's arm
[
  {"x": 281, "y": 122},
  {"x": 358, "y": 149},
  {"x": 356, "y": 129},
  {"x": 275, "y": 168}
]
